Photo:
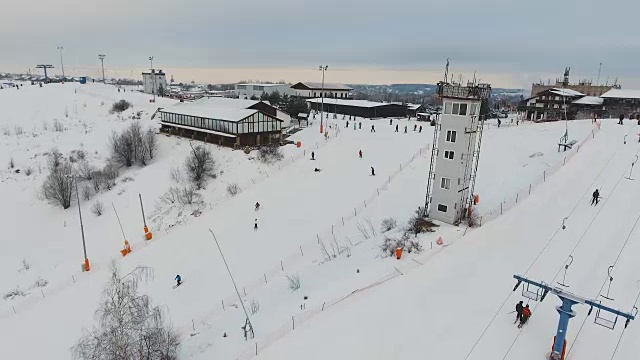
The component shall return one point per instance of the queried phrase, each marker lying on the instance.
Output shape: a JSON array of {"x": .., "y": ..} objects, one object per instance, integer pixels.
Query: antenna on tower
[
  {"x": 446, "y": 71},
  {"x": 599, "y": 70}
]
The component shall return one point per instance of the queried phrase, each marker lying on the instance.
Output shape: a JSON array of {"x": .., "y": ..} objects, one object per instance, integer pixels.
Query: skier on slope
[
  {"x": 373, "y": 128},
  {"x": 621, "y": 118},
  {"x": 360, "y": 154},
  {"x": 405, "y": 129},
  {"x": 313, "y": 155},
  {"x": 415, "y": 127},
  {"x": 596, "y": 197},
  {"x": 178, "y": 279},
  {"x": 526, "y": 314},
  {"x": 373, "y": 172},
  {"x": 390, "y": 121},
  {"x": 396, "y": 127},
  {"x": 255, "y": 225},
  {"x": 257, "y": 206},
  {"x": 360, "y": 125},
  {"x": 519, "y": 308},
  {"x": 420, "y": 130}
]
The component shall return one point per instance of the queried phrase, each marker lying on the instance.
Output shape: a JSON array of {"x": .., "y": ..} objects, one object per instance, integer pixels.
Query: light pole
[
  {"x": 323, "y": 69},
  {"x": 153, "y": 75},
  {"x": 101, "y": 57},
  {"x": 61, "y": 63}
]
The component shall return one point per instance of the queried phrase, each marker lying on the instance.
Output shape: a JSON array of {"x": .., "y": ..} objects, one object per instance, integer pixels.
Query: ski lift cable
[
  {"x": 580, "y": 200},
  {"x": 574, "y": 249},
  {"x": 604, "y": 283},
  {"x": 615, "y": 350}
]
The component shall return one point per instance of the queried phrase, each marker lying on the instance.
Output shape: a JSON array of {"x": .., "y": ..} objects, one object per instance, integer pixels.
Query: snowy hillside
[{"x": 323, "y": 227}]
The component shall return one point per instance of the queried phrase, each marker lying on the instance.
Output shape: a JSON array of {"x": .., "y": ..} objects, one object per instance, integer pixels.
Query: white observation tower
[{"x": 456, "y": 150}]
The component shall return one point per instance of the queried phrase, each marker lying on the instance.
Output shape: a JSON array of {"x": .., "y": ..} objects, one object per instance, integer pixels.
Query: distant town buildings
[
  {"x": 154, "y": 82},
  {"x": 247, "y": 91}
]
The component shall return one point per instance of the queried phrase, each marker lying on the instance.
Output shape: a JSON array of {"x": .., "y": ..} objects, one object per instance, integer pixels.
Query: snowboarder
[
  {"x": 420, "y": 129},
  {"x": 360, "y": 154},
  {"x": 317, "y": 170},
  {"x": 405, "y": 129},
  {"x": 596, "y": 197},
  {"x": 499, "y": 122},
  {"x": 178, "y": 280},
  {"x": 415, "y": 127},
  {"x": 373, "y": 128},
  {"x": 519, "y": 308},
  {"x": 526, "y": 314},
  {"x": 257, "y": 206},
  {"x": 621, "y": 118},
  {"x": 360, "y": 125},
  {"x": 373, "y": 172},
  {"x": 396, "y": 127},
  {"x": 255, "y": 225},
  {"x": 313, "y": 155}
]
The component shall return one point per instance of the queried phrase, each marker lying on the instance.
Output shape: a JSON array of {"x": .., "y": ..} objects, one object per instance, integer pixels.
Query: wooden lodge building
[{"x": 224, "y": 121}]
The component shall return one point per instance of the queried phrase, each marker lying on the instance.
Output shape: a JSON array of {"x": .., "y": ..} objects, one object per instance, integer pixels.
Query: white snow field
[{"x": 359, "y": 304}]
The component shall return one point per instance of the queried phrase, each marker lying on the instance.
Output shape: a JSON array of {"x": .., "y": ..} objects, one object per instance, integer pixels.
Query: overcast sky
[{"x": 508, "y": 42}]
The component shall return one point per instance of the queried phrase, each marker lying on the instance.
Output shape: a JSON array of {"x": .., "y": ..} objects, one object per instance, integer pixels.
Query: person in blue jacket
[{"x": 179, "y": 280}]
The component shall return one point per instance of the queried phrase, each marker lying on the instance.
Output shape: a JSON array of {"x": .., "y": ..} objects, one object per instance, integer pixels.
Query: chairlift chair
[
  {"x": 531, "y": 294},
  {"x": 604, "y": 321}
]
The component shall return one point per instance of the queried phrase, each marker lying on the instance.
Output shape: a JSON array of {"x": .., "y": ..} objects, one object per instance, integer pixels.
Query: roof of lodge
[
  {"x": 621, "y": 94},
  {"x": 216, "y": 108},
  {"x": 355, "y": 103}
]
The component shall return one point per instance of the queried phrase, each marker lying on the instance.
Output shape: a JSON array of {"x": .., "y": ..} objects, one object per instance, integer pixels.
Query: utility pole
[
  {"x": 153, "y": 75},
  {"x": 61, "y": 63},
  {"x": 45, "y": 67},
  {"x": 599, "y": 70},
  {"x": 101, "y": 57},
  {"x": 322, "y": 68}
]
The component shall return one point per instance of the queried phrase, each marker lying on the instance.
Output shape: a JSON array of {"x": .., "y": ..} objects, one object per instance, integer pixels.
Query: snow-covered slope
[{"x": 425, "y": 296}]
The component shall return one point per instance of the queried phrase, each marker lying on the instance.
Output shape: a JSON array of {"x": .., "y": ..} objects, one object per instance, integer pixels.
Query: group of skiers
[{"x": 523, "y": 313}]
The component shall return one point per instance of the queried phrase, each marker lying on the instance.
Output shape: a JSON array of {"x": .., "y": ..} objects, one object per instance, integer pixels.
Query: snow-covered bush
[
  {"x": 390, "y": 244},
  {"x": 294, "y": 281},
  {"x": 200, "y": 165},
  {"x": 182, "y": 196},
  {"x": 176, "y": 174},
  {"x": 270, "y": 154},
  {"x": 97, "y": 208},
  {"x": 109, "y": 175},
  {"x": 388, "y": 224},
  {"x": 150, "y": 143},
  {"x": 28, "y": 171},
  {"x": 233, "y": 189},
  {"x": 130, "y": 146},
  {"x": 87, "y": 192},
  {"x": 473, "y": 220},
  {"x": 120, "y": 106},
  {"x": 18, "y": 130},
  {"x": 57, "y": 126},
  {"x": 40, "y": 283},
  {"x": 419, "y": 223},
  {"x": 25, "y": 265},
  {"x": 128, "y": 325},
  {"x": 86, "y": 170},
  {"x": 254, "y": 306},
  {"x": 58, "y": 186},
  {"x": 13, "y": 294}
]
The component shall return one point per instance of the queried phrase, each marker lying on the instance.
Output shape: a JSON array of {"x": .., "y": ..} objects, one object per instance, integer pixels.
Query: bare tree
[
  {"x": 58, "y": 187},
  {"x": 97, "y": 208},
  {"x": 87, "y": 192},
  {"x": 109, "y": 175},
  {"x": 86, "y": 170},
  {"x": 150, "y": 142},
  {"x": 294, "y": 281},
  {"x": 128, "y": 325},
  {"x": 200, "y": 165}
]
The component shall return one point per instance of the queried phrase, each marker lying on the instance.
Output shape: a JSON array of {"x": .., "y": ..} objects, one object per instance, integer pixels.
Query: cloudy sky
[{"x": 507, "y": 42}]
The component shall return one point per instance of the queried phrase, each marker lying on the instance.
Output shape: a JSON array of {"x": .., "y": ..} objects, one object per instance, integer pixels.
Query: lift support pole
[{"x": 566, "y": 312}]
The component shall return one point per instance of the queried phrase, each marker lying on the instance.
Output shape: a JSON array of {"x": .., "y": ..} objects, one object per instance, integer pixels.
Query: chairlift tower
[
  {"x": 537, "y": 291},
  {"x": 45, "y": 67},
  {"x": 456, "y": 150}
]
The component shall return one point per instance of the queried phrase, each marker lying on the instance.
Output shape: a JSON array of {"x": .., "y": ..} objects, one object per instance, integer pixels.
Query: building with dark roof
[
  {"x": 309, "y": 89},
  {"x": 360, "y": 108}
]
